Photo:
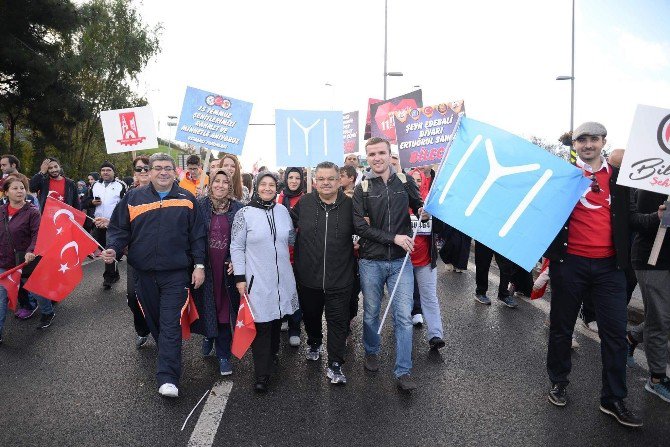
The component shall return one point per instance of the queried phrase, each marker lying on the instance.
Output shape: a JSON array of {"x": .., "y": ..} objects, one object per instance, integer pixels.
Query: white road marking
[{"x": 210, "y": 418}]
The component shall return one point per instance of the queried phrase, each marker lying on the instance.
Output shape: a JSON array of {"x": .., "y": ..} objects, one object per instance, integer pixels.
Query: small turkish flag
[
  {"x": 10, "y": 280},
  {"x": 51, "y": 222},
  {"x": 59, "y": 271},
  {"x": 245, "y": 329},
  {"x": 189, "y": 314}
]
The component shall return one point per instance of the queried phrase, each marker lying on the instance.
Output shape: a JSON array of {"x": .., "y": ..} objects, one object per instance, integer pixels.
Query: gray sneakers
[
  {"x": 335, "y": 374},
  {"x": 313, "y": 353},
  {"x": 405, "y": 383}
]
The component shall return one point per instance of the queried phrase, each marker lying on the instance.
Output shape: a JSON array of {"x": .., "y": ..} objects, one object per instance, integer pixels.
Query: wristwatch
[{"x": 199, "y": 266}]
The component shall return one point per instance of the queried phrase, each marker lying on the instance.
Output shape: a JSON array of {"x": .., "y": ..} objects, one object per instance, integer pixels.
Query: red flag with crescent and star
[
  {"x": 59, "y": 271},
  {"x": 54, "y": 212},
  {"x": 10, "y": 280},
  {"x": 245, "y": 329},
  {"x": 189, "y": 314}
]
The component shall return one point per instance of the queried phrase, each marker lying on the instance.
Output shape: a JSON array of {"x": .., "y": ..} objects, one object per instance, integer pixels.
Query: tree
[{"x": 33, "y": 75}]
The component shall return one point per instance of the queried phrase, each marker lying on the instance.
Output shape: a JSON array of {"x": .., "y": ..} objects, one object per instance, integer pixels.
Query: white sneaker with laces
[
  {"x": 168, "y": 390},
  {"x": 284, "y": 326},
  {"x": 417, "y": 320}
]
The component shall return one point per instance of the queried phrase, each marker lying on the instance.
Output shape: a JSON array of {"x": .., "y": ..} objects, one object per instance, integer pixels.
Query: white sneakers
[
  {"x": 294, "y": 341},
  {"x": 417, "y": 320},
  {"x": 168, "y": 390},
  {"x": 592, "y": 326}
]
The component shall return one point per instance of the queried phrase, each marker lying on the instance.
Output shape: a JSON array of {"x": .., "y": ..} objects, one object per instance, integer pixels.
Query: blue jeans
[
  {"x": 374, "y": 274},
  {"x": 45, "y": 305}
]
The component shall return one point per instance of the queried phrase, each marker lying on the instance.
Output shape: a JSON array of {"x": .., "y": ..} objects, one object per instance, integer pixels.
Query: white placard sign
[
  {"x": 425, "y": 228},
  {"x": 646, "y": 161},
  {"x": 129, "y": 129}
]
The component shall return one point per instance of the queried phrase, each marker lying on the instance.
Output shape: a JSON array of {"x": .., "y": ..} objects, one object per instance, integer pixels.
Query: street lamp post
[
  {"x": 572, "y": 73},
  {"x": 387, "y": 73}
]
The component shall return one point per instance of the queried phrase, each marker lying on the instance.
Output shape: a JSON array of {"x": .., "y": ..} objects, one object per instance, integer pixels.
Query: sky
[{"x": 500, "y": 57}]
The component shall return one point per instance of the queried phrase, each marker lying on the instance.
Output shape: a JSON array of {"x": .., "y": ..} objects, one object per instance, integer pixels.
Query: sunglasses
[
  {"x": 142, "y": 169},
  {"x": 595, "y": 187}
]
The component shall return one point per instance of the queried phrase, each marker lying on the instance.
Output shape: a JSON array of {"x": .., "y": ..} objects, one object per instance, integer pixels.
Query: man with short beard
[{"x": 50, "y": 182}]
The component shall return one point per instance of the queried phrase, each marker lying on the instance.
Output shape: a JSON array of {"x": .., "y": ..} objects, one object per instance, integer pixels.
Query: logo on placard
[
  {"x": 664, "y": 134},
  {"x": 218, "y": 100},
  {"x": 129, "y": 131}
]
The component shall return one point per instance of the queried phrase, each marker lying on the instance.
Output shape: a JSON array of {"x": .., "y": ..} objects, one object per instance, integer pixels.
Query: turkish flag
[
  {"x": 51, "y": 222},
  {"x": 10, "y": 280},
  {"x": 189, "y": 314},
  {"x": 59, "y": 271},
  {"x": 245, "y": 329}
]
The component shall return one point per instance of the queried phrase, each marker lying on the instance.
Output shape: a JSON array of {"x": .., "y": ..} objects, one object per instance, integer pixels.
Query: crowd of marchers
[{"x": 215, "y": 235}]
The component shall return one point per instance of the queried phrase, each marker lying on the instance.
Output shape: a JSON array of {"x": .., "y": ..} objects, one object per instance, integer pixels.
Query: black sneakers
[
  {"x": 436, "y": 343},
  {"x": 558, "y": 395},
  {"x": 371, "y": 362},
  {"x": 261, "y": 385},
  {"x": 623, "y": 415},
  {"x": 45, "y": 320}
]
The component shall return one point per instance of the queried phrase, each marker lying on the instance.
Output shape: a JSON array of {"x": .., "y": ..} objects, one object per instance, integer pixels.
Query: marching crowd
[{"x": 298, "y": 256}]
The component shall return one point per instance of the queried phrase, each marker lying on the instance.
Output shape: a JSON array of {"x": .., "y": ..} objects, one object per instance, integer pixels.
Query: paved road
[{"x": 83, "y": 383}]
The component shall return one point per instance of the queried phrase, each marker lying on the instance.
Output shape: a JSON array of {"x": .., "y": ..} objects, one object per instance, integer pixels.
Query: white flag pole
[{"x": 404, "y": 262}]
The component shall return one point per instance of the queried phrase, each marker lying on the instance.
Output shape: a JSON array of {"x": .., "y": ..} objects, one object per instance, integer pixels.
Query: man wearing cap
[
  {"x": 588, "y": 257},
  {"x": 103, "y": 197}
]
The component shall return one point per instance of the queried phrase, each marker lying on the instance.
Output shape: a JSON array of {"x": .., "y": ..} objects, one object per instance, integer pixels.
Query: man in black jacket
[
  {"x": 646, "y": 211},
  {"x": 51, "y": 182},
  {"x": 381, "y": 220},
  {"x": 165, "y": 235},
  {"x": 588, "y": 257},
  {"x": 324, "y": 265}
]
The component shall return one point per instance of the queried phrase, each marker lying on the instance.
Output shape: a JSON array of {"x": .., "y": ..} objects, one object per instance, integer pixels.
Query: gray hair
[
  {"x": 327, "y": 165},
  {"x": 161, "y": 156}
]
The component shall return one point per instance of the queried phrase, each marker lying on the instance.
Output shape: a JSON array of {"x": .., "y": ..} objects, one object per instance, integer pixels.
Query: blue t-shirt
[{"x": 162, "y": 194}]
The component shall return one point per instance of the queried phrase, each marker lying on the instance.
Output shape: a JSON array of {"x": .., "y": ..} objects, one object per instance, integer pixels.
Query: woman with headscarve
[
  {"x": 261, "y": 235},
  {"x": 289, "y": 197},
  {"x": 424, "y": 260},
  {"x": 217, "y": 300}
]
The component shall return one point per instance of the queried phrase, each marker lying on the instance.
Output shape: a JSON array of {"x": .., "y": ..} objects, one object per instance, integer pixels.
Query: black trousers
[
  {"x": 355, "y": 290},
  {"x": 162, "y": 296},
  {"x": 571, "y": 280},
  {"x": 139, "y": 321},
  {"x": 336, "y": 304},
  {"x": 483, "y": 257},
  {"x": 588, "y": 308},
  {"x": 111, "y": 273},
  {"x": 265, "y": 346}
]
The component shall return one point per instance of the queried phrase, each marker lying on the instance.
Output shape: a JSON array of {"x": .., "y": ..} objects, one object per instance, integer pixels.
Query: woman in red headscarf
[{"x": 424, "y": 260}]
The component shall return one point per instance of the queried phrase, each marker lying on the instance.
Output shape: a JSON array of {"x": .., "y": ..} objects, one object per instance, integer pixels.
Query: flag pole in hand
[{"x": 404, "y": 262}]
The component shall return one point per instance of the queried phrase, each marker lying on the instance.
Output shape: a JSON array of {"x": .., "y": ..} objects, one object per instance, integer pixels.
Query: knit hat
[
  {"x": 589, "y": 128},
  {"x": 107, "y": 164}
]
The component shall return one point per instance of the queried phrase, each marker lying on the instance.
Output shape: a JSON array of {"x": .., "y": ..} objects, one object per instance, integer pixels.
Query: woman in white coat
[{"x": 260, "y": 238}]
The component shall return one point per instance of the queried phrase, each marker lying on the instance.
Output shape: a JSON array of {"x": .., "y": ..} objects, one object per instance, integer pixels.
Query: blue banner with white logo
[
  {"x": 213, "y": 121},
  {"x": 307, "y": 137},
  {"x": 504, "y": 191}
]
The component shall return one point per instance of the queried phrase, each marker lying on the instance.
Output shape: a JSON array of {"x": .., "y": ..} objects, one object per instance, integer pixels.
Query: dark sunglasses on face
[{"x": 141, "y": 168}]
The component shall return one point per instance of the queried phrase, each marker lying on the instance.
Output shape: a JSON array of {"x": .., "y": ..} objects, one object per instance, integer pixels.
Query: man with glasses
[
  {"x": 324, "y": 265},
  {"x": 588, "y": 257},
  {"x": 191, "y": 181},
  {"x": 103, "y": 197},
  {"x": 162, "y": 269}
]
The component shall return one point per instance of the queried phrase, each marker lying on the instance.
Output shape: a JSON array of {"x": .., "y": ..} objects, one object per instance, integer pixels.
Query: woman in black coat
[{"x": 217, "y": 300}]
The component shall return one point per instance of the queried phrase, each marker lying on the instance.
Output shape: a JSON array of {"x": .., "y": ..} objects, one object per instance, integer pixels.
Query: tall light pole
[
  {"x": 386, "y": 25},
  {"x": 572, "y": 73}
]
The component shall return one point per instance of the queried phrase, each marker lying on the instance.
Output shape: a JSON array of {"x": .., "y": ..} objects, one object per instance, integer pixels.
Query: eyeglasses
[
  {"x": 141, "y": 168},
  {"x": 167, "y": 169},
  {"x": 326, "y": 179}
]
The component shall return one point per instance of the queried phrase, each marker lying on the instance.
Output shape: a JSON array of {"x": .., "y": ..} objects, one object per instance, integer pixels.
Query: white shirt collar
[{"x": 586, "y": 167}]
